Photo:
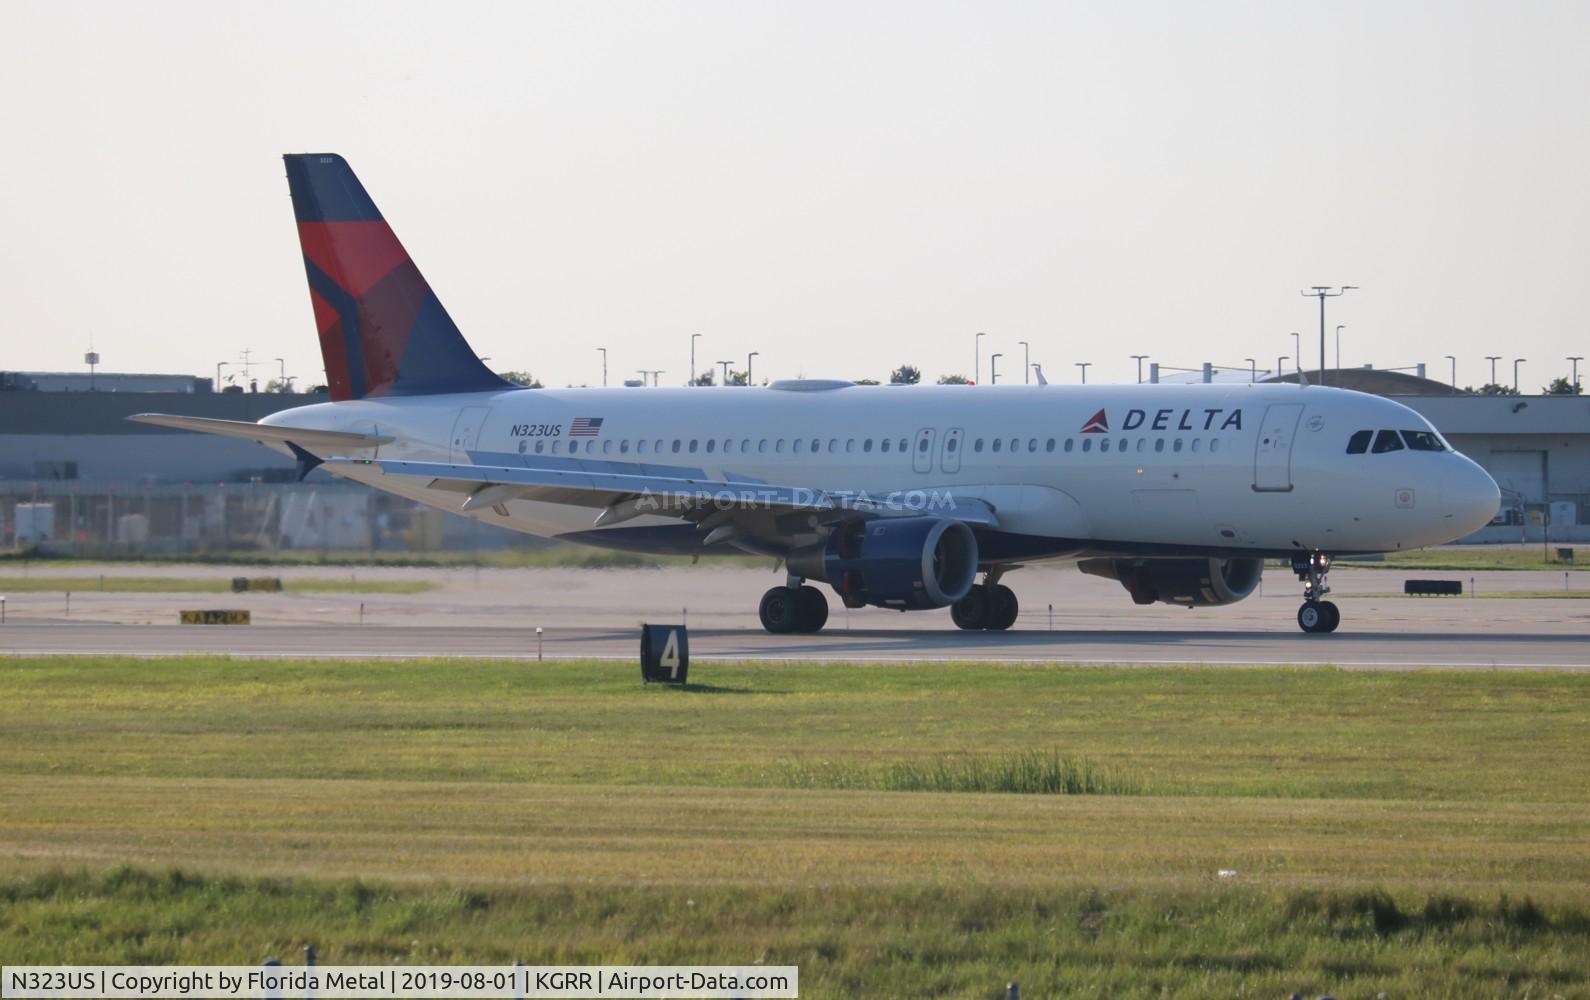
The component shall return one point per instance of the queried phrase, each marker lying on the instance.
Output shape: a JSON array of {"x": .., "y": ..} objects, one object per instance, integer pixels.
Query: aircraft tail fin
[{"x": 383, "y": 332}]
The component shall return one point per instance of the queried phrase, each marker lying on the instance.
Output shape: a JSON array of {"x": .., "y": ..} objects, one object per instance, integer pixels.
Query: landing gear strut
[
  {"x": 988, "y": 605},
  {"x": 1316, "y": 615},
  {"x": 793, "y": 608}
]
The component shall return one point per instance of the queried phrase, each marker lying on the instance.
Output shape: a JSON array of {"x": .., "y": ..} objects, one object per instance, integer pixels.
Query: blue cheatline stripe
[
  {"x": 546, "y": 460},
  {"x": 564, "y": 463},
  {"x": 324, "y": 189},
  {"x": 347, "y": 309}
]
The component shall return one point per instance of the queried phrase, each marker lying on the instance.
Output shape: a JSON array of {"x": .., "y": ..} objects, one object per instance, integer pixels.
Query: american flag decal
[{"x": 585, "y": 427}]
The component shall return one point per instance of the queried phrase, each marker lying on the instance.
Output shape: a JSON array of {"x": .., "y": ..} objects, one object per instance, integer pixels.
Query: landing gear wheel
[
  {"x": 1316, "y": 615},
  {"x": 1002, "y": 607},
  {"x": 813, "y": 609},
  {"x": 1312, "y": 617},
  {"x": 1333, "y": 616},
  {"x": 780, "y": 610},
  {"x": 971, "y": 611}
]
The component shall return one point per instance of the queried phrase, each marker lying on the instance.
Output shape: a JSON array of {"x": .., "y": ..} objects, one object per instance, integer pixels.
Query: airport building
[{"x": 75, "y": 475}]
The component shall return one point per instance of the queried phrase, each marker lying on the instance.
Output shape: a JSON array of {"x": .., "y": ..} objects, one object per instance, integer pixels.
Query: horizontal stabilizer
[{"x": 303, "y": 437}]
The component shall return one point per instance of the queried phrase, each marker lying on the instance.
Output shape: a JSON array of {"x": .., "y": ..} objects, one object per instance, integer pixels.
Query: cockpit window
[
  {"x": 1359, "y": 443},
  {"x": 1423, "y": 440},
  {"x": 1387, "y": 441}
]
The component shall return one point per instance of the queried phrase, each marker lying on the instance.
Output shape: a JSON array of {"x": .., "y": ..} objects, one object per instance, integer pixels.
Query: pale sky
[{"x": 841, "y": 186}]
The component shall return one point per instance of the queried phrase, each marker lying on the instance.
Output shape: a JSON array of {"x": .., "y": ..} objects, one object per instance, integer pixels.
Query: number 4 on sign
[
  {"x": 669, "y": 660},
  {"x": 664, "y": 654}
]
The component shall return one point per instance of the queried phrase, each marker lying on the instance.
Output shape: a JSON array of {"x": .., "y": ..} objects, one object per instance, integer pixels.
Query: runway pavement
[{"x": 1066, "y": 617}]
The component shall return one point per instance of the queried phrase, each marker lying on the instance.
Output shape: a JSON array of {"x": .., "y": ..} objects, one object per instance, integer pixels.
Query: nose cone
[{"x": 1470, "y": 496}]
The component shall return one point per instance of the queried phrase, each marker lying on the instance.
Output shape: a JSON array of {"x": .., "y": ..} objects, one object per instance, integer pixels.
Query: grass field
[
  {"x": 548, "y": 556},
  {"x": 1419, "y": 833},
  {"x": 200, "y": 585},
  {"x": 1477, "y": 557}
]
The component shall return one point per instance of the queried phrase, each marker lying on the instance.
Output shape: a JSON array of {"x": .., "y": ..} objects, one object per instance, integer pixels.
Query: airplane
[{"x": 894, "y": 496}]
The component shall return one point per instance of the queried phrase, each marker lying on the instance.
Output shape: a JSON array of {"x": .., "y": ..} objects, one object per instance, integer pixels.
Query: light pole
[
  {"x": 218, "y": 366},
  {"x": 1253, "y": 369},
  {"x": 1026, "y": 363},
  {"x": 977, "y": 358},
  {"x": 725, "y": 365},
  {"x": 1453, "y": 358},
  {"x": 1574, "y": 379},
  {"x": 693, "y": 338},
  {"x": 281, "y": 380},
  {"x": 604, "y": 366},
  {"x": 1139, "y": 358},
  {"x": 1493, "y": 358},
  {"x": 993, "y": 369},
  {"x": 643, "y": 373},
  {"x": 1278, "y": 363},
  {"x": 1516, "y": 363},
  {"x": 1323, "y": 292},
  {"x": 748, "y": 358},
  {"x": 1338, "y": 353},
  {"x": 1297, "y": 345},
  {"x": 656, "y": 377},
  {"x": 1084, "y": 365}
]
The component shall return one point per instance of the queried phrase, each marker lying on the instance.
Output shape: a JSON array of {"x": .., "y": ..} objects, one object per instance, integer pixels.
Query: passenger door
[
  {"x": 922, "y": 450},
  {"x": 950, "y": 459},
  {"x": 1272, "y": 456},
  {"x": 466, "y": 430}
]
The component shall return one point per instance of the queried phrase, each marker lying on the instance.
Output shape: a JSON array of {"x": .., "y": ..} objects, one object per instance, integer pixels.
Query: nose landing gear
[{"x": 1316, "y": 615}]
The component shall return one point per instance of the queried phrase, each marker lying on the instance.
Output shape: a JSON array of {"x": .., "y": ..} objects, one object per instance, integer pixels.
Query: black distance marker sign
[{"x": 664, "y": 654}]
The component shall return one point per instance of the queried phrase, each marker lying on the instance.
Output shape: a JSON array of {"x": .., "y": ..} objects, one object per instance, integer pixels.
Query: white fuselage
[{"x": 1166, "y": 469}]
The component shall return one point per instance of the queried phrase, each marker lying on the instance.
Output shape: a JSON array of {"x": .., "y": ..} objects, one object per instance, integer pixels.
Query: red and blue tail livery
[{"x": 383, "y": 332}]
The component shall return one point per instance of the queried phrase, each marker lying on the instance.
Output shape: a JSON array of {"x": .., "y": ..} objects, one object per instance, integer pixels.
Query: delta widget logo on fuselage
[{"x": 1169, "y": 419}]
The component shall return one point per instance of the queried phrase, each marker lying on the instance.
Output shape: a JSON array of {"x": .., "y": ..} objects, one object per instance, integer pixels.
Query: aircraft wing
[
  {"x": 264, "y": 433},
  {"x": 723, "y": 508}
]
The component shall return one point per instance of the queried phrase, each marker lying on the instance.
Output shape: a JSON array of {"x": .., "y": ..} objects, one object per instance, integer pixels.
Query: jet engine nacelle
[
  {"x": 894, "y": 562},
  {"x": 1193, "y": 583}
]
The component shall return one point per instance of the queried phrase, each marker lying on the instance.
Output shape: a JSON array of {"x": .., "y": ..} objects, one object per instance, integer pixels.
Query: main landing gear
[
  {"x": 1315, "y": 615},
  {"x": 988, "y": 605},
  {"x": 794, "y": 607}
]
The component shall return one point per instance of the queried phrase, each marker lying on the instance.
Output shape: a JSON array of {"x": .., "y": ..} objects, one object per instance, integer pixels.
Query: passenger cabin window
[
  {"x": 1359, "y": 443},
  {"x": 1423, "y": 441},
  {"x": 1386, "y": 441}
]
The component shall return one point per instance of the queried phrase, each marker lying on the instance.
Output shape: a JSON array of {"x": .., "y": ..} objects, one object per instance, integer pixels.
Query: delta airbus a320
[{"x": 896, "y": 497}]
